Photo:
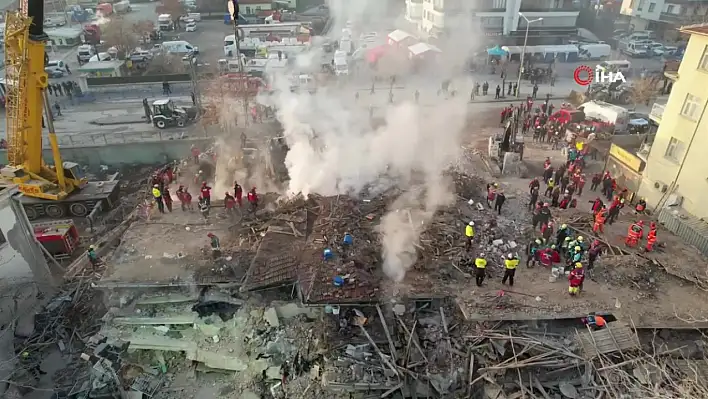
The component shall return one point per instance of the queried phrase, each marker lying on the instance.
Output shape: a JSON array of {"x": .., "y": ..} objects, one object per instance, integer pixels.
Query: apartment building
[
  {"x": 676, "y": 172},
  {"x": 494, "y": 18},
  {"x": 664, "y": 16}
]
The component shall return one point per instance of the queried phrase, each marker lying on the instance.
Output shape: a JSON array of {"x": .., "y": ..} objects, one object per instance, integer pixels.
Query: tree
[
  {"x": 643, "y": 90},
  {"x": 210, "y": 6},
  {"x": 121, "y": 34},
  {"x": 165, "y": 64},
  {"x": 172, "y": 7}
]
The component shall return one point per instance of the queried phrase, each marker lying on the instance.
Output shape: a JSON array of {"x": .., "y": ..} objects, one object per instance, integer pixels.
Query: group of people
[{"x": 66, "y": 88}]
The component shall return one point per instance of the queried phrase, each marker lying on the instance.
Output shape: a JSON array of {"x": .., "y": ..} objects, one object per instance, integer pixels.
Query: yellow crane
[{"x": 57, "y": 190}]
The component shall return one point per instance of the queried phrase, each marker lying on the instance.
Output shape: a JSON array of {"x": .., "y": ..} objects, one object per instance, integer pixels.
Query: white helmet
[
  {"x": 471, "y": 223},
  {"x": 510, "y": 256},
  {"x": 481, "y": 254}
]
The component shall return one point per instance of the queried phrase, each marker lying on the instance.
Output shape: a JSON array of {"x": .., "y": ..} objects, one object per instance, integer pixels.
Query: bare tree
[
  {"x": 125, "y": 35},
  {"x": 173, "y": 7},
  {"x": 166, "y": 64},
  {"x": 643, "y": 91},
  {"x": 210, "y": 6}
]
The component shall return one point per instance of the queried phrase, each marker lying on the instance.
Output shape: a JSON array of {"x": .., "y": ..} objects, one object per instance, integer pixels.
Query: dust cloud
[{"x": 341, "y": 144}]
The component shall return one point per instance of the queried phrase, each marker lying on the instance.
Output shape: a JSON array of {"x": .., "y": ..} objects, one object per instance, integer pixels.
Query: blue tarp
[{"x": 496, "y": 51}]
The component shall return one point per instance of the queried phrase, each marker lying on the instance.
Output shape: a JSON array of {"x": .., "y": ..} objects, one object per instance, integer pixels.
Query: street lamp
[{"x": 523, "y": 51}]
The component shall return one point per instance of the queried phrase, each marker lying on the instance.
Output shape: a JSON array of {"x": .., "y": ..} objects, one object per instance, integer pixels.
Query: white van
[
  {"x": 636, "y": 49},
  {"x": 179, "y": 47},
  {"x": 594, "y": 51},
  {"x": 85, "y": 52},
  {"x": 230, "y": 45},
  {"x": 623, "y": 66},
  {"x": 341, "y": 67}
]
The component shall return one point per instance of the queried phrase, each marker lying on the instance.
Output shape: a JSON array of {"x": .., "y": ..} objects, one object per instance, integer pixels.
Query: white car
[
  {"x": 190, "y": 27},
  {"x": 195, "y": 16},
  {"x": 55, "y": 68}
]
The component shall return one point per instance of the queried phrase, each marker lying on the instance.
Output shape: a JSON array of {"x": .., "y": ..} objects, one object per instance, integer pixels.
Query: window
[
  {"x": 670, "y": 9},
  {"x": 641, "y": 5},
  {"x": 674, "y": 149},
  {"x": 704, "y": 60},
  {"x": 652, "y": 6},
  {"x": 690, "y": 107}
]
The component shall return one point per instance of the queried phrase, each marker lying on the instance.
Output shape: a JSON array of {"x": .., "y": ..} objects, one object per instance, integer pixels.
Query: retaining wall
[{"x": 117, "y": 154}]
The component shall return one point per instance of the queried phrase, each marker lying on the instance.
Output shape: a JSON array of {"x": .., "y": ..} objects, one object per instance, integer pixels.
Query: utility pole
[{"x": 234, "y": 11}]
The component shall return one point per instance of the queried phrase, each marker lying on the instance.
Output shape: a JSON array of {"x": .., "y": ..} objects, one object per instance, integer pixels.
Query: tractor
[{"x": 166, "y": 114}]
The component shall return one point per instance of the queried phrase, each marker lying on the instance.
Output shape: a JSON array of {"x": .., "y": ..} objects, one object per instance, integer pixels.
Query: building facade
[
  {"x": 676, "y": 174},
  {"x": 495, "y": 18},
  {"x": 663, "y": 16}
]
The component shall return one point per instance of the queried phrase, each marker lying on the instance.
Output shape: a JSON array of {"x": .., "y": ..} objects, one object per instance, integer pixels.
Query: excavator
[{"x": 56, "y": 191}]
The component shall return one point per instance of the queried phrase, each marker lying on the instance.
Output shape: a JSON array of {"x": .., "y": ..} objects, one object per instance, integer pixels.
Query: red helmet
[
  {"x": 203, "y": 183},
  {"x": 641, "y": 223},
  {"x": 652, "y": 225}
]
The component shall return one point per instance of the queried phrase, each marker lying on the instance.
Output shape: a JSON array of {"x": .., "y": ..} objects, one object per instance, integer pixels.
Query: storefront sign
[{"x": 627, "y": 158}]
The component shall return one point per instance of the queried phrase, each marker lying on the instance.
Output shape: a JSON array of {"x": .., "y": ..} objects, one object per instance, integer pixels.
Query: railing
[
  {"x": 669, "y": 17},
  {"x": 565, "y": 8},
  {"x": 693, "y": 230},
  {"x": 98, "y": 139},
  {"x": 657, "y": 111}
]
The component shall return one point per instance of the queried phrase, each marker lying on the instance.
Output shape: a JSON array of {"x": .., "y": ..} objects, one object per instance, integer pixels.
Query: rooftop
[
  {"x": 173, "y": 250},
  {"x": 697, "y": 29}
]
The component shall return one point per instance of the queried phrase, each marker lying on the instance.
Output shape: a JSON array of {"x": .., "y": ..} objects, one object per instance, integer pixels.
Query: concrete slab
[{"x": 176, "y": 320}]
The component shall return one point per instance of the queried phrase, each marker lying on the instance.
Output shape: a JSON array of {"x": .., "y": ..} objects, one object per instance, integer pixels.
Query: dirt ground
[{"x": 621, "y": 285}]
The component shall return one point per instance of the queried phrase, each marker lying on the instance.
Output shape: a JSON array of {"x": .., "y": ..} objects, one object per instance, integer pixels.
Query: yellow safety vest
[
  {"x": 469, "y": 231},
  {"x": 511, "y": 263},
  {"x": 156, "y": 192},
  {"x": 481, "y": 263}
]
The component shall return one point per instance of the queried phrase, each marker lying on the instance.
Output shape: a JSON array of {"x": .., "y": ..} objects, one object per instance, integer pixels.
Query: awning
[
  {"x": 420, "y": 48},
  {"x": 399, "y": 35},
  {"x": 496, "y": 51}
]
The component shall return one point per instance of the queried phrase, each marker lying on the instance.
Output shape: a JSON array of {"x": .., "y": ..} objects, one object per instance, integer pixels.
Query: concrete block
[
  {"x": 273, "y": 373},
  {"x": 498, "y": 242},
  {"x": 271, "y": 317}
]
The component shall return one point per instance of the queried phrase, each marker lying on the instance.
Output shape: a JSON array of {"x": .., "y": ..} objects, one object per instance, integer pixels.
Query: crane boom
[{"x": 26, "y": 81}]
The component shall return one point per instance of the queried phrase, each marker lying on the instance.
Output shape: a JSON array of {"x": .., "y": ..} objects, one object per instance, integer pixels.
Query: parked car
[
  {"x": 190, "y": 27},
  {"x": 140, "y": 55},
  {"x": 55, "y": 68},
  {"x": 192, "y": 15}
]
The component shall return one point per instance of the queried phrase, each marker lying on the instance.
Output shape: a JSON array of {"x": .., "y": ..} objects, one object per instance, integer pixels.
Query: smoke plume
[{"x": 336, "y": 148}]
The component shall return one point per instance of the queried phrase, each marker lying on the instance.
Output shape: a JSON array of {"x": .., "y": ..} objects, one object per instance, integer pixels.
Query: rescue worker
[
  {"x": 510, "y": 264},
  {"x": 555, "y": 196},
  {"x": 534, "y": 184},
  {"x": 571, "y": 247},
  {"x": 480, "y": 265},
  {"x": 599, "y": 224},
  {"x": 491, "y": 194},
  {"x": 576, "y": 279},
  {"x": 547, "y": 230},
  {"x": 229, "y": 204},
  {"x": 252, "y": 198},
  {"x": 185, "y": 198},
  {"x": 651, "y": 238},
  {"x": 594, "y": 253},
  {"x": 238, "y": 193},
  {"x": 93, "y": 257},
  {"x": 565, "y": 246},
  {"x": 157, "y": 195},
  {"x": 635, "y": 232},
  {"x": 167, "y": 198},
  {"x": 533, "y": 199},
  {"x": 205, "y": 192},
  {"x": 595, "y": 322},
  {"x": 549, "y": 187},
  {"x": 597, "y": 204},
  {"x": 562, "y": 233},
  {"x": 203, "y": 207},
  {"x": 549, "y": 256},
  {"x": 499, "y": 202},
  {"x": 469, "y": 235},
  {"x": 613, "y": 213},
  {"x": 641, "y": 206},
  {"x": 31, "y": 364},
  {"x": 195, "y": 153},
  {"x": 532, "y": 252},
  {"x": 215, "y": 245}
]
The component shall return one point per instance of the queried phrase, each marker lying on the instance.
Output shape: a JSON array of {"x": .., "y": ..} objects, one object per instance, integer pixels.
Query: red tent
[{"x": 375, "y": 53}]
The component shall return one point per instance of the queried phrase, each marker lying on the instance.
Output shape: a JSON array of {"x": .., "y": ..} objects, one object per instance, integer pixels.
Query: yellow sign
[{"x": 626, "y": 157}]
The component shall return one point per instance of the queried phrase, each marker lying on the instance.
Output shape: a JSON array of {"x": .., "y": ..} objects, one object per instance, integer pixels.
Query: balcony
[
  {"x": 489, "y": 6},
  {"x": 564, "y": 8},
  {"x": 657, "y": 111},
  {"x": 672, "y": 18}
]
